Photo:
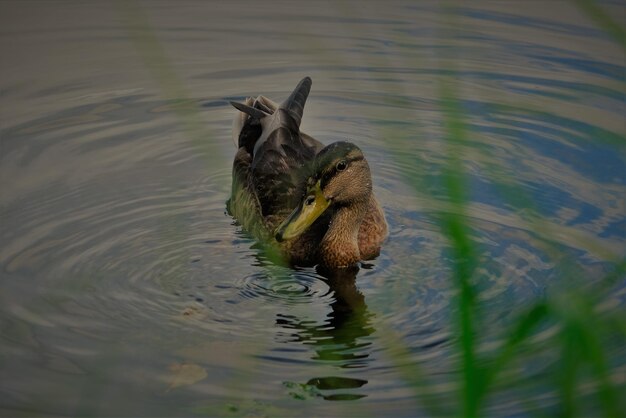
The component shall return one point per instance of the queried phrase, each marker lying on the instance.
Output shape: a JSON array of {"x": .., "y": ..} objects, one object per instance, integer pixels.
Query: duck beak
[{"x": 311, "y": 207}]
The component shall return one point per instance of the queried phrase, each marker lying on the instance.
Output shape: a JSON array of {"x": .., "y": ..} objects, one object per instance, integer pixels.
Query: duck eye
[
  {"x": 341, "y": 165},
  {"x": 309, "y": 200}
]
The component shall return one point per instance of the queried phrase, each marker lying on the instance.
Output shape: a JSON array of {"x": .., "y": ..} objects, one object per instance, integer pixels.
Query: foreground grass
[
  {"x": 580, "y": 326},
  {"x": 573, "y": 313}
]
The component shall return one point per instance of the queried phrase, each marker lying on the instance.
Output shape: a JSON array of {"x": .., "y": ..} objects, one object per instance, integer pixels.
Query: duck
[{"x": 312, "y": 203}]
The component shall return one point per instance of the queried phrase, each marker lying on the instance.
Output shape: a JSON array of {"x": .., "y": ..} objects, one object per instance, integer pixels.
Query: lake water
[{"x": 127, "y": 290}]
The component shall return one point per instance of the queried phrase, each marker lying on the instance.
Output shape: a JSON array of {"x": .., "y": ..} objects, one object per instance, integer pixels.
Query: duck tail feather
[
  {"x": 294, "y": 104},
  {"x": 252, "y": 111}
]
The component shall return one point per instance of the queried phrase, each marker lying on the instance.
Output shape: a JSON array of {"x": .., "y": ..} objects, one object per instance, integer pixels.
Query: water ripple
[
  {"x": 286, "y": 288},
  {"x": 117, "y": 259}
]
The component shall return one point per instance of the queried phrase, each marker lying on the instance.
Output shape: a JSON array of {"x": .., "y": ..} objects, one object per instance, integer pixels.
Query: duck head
[{"x": 341, "y": 179}]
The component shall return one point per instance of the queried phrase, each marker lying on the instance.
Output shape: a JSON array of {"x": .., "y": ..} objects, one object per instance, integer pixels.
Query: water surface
[{"x": 127, "y": 290}]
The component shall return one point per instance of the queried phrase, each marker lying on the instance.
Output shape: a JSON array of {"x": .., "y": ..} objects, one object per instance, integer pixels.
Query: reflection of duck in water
[
  {"x": 314, "y": 203},
  {"x": 339, "y": 340}
]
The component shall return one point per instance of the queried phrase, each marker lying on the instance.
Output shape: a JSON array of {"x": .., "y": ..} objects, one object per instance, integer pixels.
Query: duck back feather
[{"x": 277, "y": 152}]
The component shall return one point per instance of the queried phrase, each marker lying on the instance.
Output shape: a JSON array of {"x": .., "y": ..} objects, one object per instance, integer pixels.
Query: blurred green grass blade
[
  {"x": 581, "y": 340},
  {"x": 570, "y": 360},
  {"x": 172, "y": 87},
  {"x": 524, "y": 328},
  {"x": 603, "y": 20},
  {"x": 595, "y": 356},
  {"x": 454, "y": 225},
  {"x": 467, "y": 311},
  {"x": 585, "y": 327}
]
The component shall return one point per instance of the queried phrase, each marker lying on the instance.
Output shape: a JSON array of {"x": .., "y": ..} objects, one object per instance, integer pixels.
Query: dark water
[{"x": 126, "y": 289}]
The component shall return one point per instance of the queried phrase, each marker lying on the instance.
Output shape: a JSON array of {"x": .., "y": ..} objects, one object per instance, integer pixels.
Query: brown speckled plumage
[{"x": 280, "y": 173}]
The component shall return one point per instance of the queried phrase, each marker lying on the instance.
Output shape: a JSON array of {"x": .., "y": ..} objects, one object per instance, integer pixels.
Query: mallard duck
[{"x": 314, "y": 203}]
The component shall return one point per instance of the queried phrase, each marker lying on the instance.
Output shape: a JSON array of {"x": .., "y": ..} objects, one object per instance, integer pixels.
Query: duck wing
[{"x": 280, "y": 155}]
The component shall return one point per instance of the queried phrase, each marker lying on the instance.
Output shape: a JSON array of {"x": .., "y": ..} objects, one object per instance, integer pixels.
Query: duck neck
[{"x": 340, "y": 244}]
